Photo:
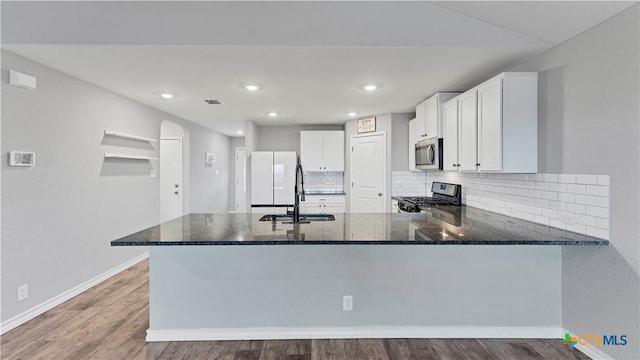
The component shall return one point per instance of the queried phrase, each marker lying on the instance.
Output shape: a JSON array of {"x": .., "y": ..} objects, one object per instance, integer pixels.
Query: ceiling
[{"x": 310, "y": 58}]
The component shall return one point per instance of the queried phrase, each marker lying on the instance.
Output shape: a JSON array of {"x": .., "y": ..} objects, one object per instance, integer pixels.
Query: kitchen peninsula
[{"x": 231, "y": 276}]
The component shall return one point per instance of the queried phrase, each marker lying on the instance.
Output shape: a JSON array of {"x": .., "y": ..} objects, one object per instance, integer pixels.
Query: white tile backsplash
[
  {"x": 408, "y": 183},
  {"x": 332, "y": 181},
  {"x": 574, "y": 202}
]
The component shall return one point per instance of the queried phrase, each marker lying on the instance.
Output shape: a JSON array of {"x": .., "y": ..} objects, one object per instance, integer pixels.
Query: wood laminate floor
[{"x": 109, "y": 321}]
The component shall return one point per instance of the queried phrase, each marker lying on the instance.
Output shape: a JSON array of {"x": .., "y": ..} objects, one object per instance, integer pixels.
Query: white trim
[
  {"x": 59, "y": 299},
  {"x": 590, "y": 350},
  {"x": 359, "y": 332}
]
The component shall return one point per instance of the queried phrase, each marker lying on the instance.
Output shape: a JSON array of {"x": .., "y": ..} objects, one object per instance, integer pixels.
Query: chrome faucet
[{"x": 298, "y": 194}]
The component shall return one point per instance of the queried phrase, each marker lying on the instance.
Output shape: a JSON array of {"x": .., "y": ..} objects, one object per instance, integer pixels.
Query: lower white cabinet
[{"x": 324, "y": 204}]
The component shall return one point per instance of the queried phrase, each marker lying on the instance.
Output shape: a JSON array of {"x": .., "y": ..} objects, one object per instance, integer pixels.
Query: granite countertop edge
[
  {"x": 364, "y": 242},
  {"x": 473, "y": 227}
]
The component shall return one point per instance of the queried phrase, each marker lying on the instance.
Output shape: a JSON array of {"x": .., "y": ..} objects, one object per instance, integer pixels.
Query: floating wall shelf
[
  {"x": 130, "y": 157},
  {"x": 127, "y": 136}
]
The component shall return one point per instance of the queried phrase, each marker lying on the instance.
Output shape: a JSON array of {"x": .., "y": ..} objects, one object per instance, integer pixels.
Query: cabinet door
[
  {"x": 450, "y": 135},
  {"x": 467, "y": 115},
  {"x": 311, "y": 150},
  {"x": 421, "y": 118},
  {"x": 490, "y": 125},
  {"x": 413, "y": 131},
  {"x": 431, "y": 117},
  {"x": 333, "y": 151},
  {"x": 262, "y": 178}
]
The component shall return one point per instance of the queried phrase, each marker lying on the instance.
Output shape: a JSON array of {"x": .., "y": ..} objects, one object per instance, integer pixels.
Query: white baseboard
[
  {"x": 59, "y": 299},
  {"x": 590, "y": 350},
  {"x": 359, "y": 332}
]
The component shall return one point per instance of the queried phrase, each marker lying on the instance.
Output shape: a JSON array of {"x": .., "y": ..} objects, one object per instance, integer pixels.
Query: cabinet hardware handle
[
  {"x": 175, "y": 192},
  {"x": 453, "y": 165},
  {"x": 477, "y": 164}
]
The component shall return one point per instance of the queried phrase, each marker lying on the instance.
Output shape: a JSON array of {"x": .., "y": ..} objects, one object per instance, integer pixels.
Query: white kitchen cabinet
[
  {"x": 421, "y": 118},
  {"x": 429, "y": 116},
  {"x": 508, "y": 123},
  {"x": 322, "y": 151},
  {"x": 496, "y": 128},
  {"x": 324, "y": 204},
  {"x": 394, "y": 206},
  {"x": 413, "y": 138},
  {"x": 467, "y": 129},
  {"x": 450, "y": 135}
]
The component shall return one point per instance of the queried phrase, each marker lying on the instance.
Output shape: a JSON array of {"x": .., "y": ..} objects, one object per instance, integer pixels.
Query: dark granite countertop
[{"x": 445, "y": 225}]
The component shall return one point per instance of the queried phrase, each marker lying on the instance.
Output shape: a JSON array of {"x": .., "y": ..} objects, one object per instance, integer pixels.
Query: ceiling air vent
[{"x": 213, "y": 102}]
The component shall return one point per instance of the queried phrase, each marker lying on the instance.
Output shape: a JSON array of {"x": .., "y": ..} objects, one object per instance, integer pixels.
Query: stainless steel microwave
[{"x": 429, "y": 154}]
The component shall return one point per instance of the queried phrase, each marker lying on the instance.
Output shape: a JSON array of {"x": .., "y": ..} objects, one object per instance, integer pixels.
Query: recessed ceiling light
[
  {"x": 166, "y": 96},
  {"x": 252, "y": 87},
  {"x": 273, "y": 114},
  {"x": 370, "y": 87},
  {"x": 239, "y": 132},
  {"x": 352, "y": 114}
]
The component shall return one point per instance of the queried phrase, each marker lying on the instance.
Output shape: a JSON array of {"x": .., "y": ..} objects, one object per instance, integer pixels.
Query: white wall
[
  {"x": 59, "y": 216},
  {"x": 589, "y": 99}
]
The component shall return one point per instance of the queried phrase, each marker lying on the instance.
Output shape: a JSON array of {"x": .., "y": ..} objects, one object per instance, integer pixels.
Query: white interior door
[
  {"x": 241, "y": 181},
  {"x": 170, "y": 179},
  {"x": 368, "y": 170}
]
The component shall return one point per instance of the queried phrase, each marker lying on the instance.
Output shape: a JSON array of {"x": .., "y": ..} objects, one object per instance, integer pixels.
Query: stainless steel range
[{"x": 443, "y": 194}]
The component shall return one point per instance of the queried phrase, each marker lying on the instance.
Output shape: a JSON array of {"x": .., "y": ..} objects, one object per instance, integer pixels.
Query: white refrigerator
[{"x": 272, "y": 179}]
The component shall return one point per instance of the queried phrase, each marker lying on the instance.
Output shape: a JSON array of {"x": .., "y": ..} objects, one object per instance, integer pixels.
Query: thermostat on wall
[
  {"x": 22, "y": 158},
  {"x": 209, "y": 159}
]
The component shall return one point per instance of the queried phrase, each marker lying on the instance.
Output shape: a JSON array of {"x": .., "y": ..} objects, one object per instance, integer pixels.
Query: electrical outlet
[
  {"x": 23, "y": 292},
  {"x": 347, "y": 303}
]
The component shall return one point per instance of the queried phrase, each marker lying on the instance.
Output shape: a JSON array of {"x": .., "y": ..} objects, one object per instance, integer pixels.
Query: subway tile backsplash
[
  {"x": 331, "y": 181},
  {"x": 578, "y": 203},
  {"x": 408, "y": 183}
]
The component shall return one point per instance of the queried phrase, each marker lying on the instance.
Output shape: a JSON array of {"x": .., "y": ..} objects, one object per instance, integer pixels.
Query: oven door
[{"x": 429, "y": 154}]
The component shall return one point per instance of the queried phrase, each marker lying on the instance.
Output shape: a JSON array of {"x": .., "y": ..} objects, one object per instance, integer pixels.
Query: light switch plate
[{"x": 22, "y": 158}]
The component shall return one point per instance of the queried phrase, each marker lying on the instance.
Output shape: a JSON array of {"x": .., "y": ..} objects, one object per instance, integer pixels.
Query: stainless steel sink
[{"x": 303, "y": 217}]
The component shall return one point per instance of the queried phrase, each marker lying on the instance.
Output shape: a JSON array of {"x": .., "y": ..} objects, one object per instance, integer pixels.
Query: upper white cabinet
[
  {"x": 450, "y": 135},
  {"x": 429, "y": 116},
  {"x": 413, "y": 138},
  {"x": 495, "y": 128},
  {"x": 322, "y": 150},
  {"x": 467, "y": 131}
]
